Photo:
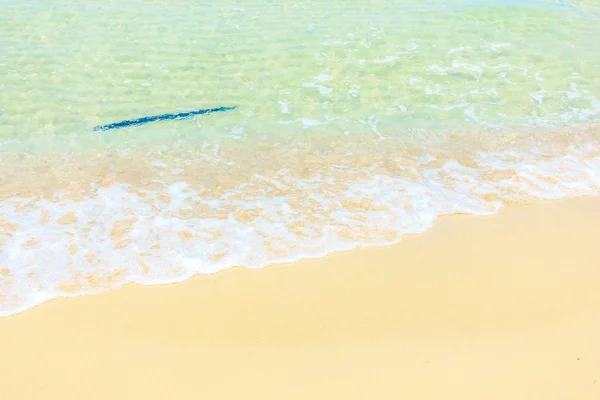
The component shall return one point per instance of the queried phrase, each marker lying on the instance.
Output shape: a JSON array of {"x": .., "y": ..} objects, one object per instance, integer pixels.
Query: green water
[{"x": 68, "y": 66}]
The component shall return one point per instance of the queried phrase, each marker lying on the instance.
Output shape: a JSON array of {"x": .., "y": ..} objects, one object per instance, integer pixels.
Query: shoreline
[
  {"x": 114, "y": 220},
  {"x": 500, "y": 306}
]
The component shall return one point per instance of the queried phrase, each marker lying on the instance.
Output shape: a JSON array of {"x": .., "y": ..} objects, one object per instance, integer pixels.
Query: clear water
[{"x": 355, "y": 124}]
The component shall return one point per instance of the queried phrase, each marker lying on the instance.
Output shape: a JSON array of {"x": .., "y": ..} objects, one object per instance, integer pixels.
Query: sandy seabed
[{"x": 498, "y": 307}]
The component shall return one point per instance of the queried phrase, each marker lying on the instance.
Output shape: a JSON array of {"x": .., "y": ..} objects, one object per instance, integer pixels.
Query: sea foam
[{"x": 60, "y": 246}]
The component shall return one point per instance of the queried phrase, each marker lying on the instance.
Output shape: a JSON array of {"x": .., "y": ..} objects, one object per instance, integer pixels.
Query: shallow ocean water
[{"x": 355, "y": 124}]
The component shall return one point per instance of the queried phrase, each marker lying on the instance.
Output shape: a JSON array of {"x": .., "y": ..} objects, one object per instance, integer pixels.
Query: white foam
[
  {"x": 460, "y": 48},
  {"x": 284, "y": 107},
  {"x": 307, "y": 123},
  {"x": 425, "y": 159},
  {"x": 320, "y": 78},
  {"x": 119, "y": 235},
  {"x": 354, "y": 91},
  {"x": 435, "y": 90},
  {"x": 237, "y": 131},
  {"x": 455, "y": 66},
  {"x": 447, "y": 108},
  {"x": 385, "y": 59},
  {"x": 489, "y": 92},
  {"x": 323, "y": 78},
  {"x": 538, "y": 96},
  {"x": 322, "y": 89},
  {"x": 372, "y": 122},
  {"x": 496, "y": 46}
]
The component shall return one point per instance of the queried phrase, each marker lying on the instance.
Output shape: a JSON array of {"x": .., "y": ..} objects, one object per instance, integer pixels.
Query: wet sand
[{"x": 498, "y": 307}]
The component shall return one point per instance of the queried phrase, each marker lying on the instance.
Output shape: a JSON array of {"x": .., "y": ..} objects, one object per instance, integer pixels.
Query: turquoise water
[{"x": 356, "y": 123}]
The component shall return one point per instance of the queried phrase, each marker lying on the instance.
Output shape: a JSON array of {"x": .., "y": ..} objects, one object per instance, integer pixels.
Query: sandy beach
[{"x": 498, "y": 307}]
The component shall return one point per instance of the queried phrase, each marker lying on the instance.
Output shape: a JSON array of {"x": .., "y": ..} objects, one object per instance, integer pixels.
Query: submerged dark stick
[{"x": 146, "y": 120}]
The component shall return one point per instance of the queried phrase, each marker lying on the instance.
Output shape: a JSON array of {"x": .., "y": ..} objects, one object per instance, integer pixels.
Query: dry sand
[{"x": 499, "y": 307}]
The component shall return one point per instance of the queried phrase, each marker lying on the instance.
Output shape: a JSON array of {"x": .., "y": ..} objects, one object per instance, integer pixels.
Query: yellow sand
[{"x": 501, "y": 307}]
